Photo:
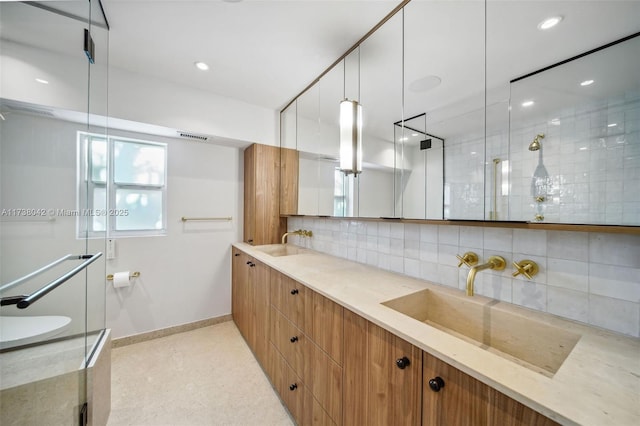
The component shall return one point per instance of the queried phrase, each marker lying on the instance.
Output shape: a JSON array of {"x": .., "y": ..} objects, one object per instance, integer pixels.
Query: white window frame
[{"x": 86, "y": 187}]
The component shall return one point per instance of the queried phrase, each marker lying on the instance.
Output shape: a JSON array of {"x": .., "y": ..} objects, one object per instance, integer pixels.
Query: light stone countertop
[{"x": 598, "y": 383}]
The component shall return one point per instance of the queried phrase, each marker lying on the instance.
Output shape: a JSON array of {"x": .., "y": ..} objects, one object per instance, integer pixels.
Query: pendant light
[{"x": 350, "y": 137}]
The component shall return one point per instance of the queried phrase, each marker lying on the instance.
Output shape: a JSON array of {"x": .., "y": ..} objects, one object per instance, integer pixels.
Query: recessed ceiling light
[
  {"x": 555, "y": 121},
  {"x": 612, "y": 125},
  {"x": 414, "y": 134},
  {"x": 583, "y": 148},
  {"x": 42, "y": 81},
  {"x": 527, "y": 103},
  {"x": 549, "y": 22},
  {"x": 201, "y": 66},
  {"x": 586, "y": 83},
  {"x": 404, "y": 139},
  {"x": 425, "y": 84}
]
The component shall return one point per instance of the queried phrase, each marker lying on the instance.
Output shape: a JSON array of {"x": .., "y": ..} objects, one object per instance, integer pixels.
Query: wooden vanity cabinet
[
  {"x": 382, "y": 376},
  {"x": 250, "y": 302},
  {"x": 464, "y": 400},
  {"x": 262, "y": 222}
]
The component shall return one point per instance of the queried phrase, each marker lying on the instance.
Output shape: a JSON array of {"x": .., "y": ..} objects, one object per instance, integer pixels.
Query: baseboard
[{"x": 163, "y": 332}]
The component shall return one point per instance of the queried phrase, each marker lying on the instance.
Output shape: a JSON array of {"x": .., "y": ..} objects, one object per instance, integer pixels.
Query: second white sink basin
[{"x": 277, "y": 250}]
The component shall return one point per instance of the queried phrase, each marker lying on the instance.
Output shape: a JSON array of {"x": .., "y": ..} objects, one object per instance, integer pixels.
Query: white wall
[{"x": 185, "y": 275}]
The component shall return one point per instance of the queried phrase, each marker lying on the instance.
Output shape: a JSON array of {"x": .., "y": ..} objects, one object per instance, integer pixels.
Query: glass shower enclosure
[{"x": 53, "y": 85}]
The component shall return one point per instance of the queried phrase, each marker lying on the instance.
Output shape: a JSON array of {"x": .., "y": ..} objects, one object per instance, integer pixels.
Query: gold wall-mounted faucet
[
  {"x": 495, "y": 262},
  {"x": 469, "y": 258},
  {"x": 301, "y": 232},
  {"x": 526, "y": 267}
]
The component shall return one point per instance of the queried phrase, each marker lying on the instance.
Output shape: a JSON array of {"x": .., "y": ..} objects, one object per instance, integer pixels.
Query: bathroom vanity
[{"x": 346, "y": 343}]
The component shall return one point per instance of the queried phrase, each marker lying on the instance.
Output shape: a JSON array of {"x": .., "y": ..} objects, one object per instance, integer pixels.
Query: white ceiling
[{"x": 263, "y": 52}]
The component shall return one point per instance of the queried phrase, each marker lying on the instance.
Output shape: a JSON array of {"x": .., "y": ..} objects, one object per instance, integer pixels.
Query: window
[{"x": 122, "y": 186}]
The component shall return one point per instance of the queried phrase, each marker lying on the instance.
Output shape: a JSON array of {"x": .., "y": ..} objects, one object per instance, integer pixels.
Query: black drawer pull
[
  {"x": 294, "y": 291},
  {"x": 403, "y": 362},
  {"x": 294, "y": 339},
  {"x": 436, "y": 384},
  {"x": 293, "y": 387}
]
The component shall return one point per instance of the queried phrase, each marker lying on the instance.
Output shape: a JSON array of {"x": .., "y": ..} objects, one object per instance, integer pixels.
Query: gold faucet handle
[
  {"x": 526, "y": 267},
  {"x": 469, "y": 258}
]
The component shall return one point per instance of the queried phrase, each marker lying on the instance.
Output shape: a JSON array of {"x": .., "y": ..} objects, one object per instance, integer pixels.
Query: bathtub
[{"x": 18, "y": 331}]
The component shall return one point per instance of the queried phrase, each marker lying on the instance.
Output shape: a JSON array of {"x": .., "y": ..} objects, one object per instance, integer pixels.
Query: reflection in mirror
[
  {"x": 421, "y": 172},
  {"x": 381, "y": 69},
  {"x": 444, "y": 78},
  {"x": 574, "y": 130}
]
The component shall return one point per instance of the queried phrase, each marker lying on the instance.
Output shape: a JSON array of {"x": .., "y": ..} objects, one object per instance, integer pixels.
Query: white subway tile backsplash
[
  {"x": 568, "y": 245},
  {"x": 472, "y": 237},
  {"x": 618, "y": 282},
  {"x": 429, "y": 233},
  {"x": 530, "y": 241},
  {"x": 429, "y": 252},
  {"x": 614, "y": 249},
  {"x": 498, "y": 239},
  {"x": 412, "y": 267},
  {"x": 568, "y": 303},
  {"x": 530, "y": 294},
  {"x": 588, "y": 277},
  {"x": 449, "y": 235},
  {"x": 568, "y": 274},
  {"x": 614, "y": 314}
]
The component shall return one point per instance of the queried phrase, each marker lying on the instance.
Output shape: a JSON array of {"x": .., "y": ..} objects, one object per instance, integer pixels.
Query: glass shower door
[{"x": 52, "y": 274}]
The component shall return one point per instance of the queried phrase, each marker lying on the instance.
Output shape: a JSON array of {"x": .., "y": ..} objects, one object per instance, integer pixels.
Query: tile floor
[{"x": 206, "y": 376}]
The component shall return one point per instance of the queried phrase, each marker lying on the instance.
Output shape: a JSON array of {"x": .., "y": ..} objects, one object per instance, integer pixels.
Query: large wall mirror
[{"x": 445, "y": 135}]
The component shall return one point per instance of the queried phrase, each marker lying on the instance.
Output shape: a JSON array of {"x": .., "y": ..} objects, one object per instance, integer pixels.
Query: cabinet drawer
[
  {"x": 289, "y": 297},
  {"x": 314, "y": 414},
  {"x": 325, "y": 324},
  {"x": 289, "y": 341},
  {"x": 323, "y": 378},
  {"x": 288, "y": 385}
]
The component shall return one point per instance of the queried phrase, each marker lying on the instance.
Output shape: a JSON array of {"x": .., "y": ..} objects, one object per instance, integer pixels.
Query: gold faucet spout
[
  {"x": 302, "y": 232},
  {"x": 495, "y": 262}
]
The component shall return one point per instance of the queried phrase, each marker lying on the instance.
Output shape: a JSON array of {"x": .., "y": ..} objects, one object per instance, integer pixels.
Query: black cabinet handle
[
  {"x": 294, "y": 339},
  {"x": 403, "y": 362},
  {"x": 436, "y": 384},
  {"x": 294, "y": 291},
  {"x": 293, "y": 387},
  {"x": 237, "y": 254},
  {"x": 249, "y": 262},
  {"x": 252, "y": 264},
  {"x": 249, "y": 241}
]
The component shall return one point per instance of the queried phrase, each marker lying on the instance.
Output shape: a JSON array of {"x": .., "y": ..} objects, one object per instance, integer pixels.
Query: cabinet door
[
  {"x": 462, "y": 401},
  {"x": 240, "y": 282},
  {"x": 505, "y": 411},
  {"x": 395, "y": 391},
  {"x": 259, "y": 277},
  {"x": 376, "y": 390},
  {"x": 249, "y": 194}
]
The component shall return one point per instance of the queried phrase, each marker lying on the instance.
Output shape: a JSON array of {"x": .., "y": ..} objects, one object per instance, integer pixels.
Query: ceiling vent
[
  {"x": 31, "y": 110},
  {"x": 187, "y": 135}
]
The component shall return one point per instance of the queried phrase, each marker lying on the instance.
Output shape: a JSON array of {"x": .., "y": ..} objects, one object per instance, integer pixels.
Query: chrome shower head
[{"x": 535, "y": 145}]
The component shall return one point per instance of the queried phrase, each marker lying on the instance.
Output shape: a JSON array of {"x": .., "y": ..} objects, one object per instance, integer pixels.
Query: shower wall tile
[{"x": 587, "y": 277}]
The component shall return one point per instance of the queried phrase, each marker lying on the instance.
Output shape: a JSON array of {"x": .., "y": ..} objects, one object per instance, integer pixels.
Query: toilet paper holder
[{"x": 133, "y": 275}]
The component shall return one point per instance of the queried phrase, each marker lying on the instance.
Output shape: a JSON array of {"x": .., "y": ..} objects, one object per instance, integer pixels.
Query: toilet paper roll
[{"x": 121, "y": 279}]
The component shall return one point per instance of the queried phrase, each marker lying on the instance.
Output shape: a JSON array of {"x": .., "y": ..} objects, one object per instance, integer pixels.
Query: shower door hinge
[
  {"x": 89, "y": 46},
  {"x": 84, "y": 414}
]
